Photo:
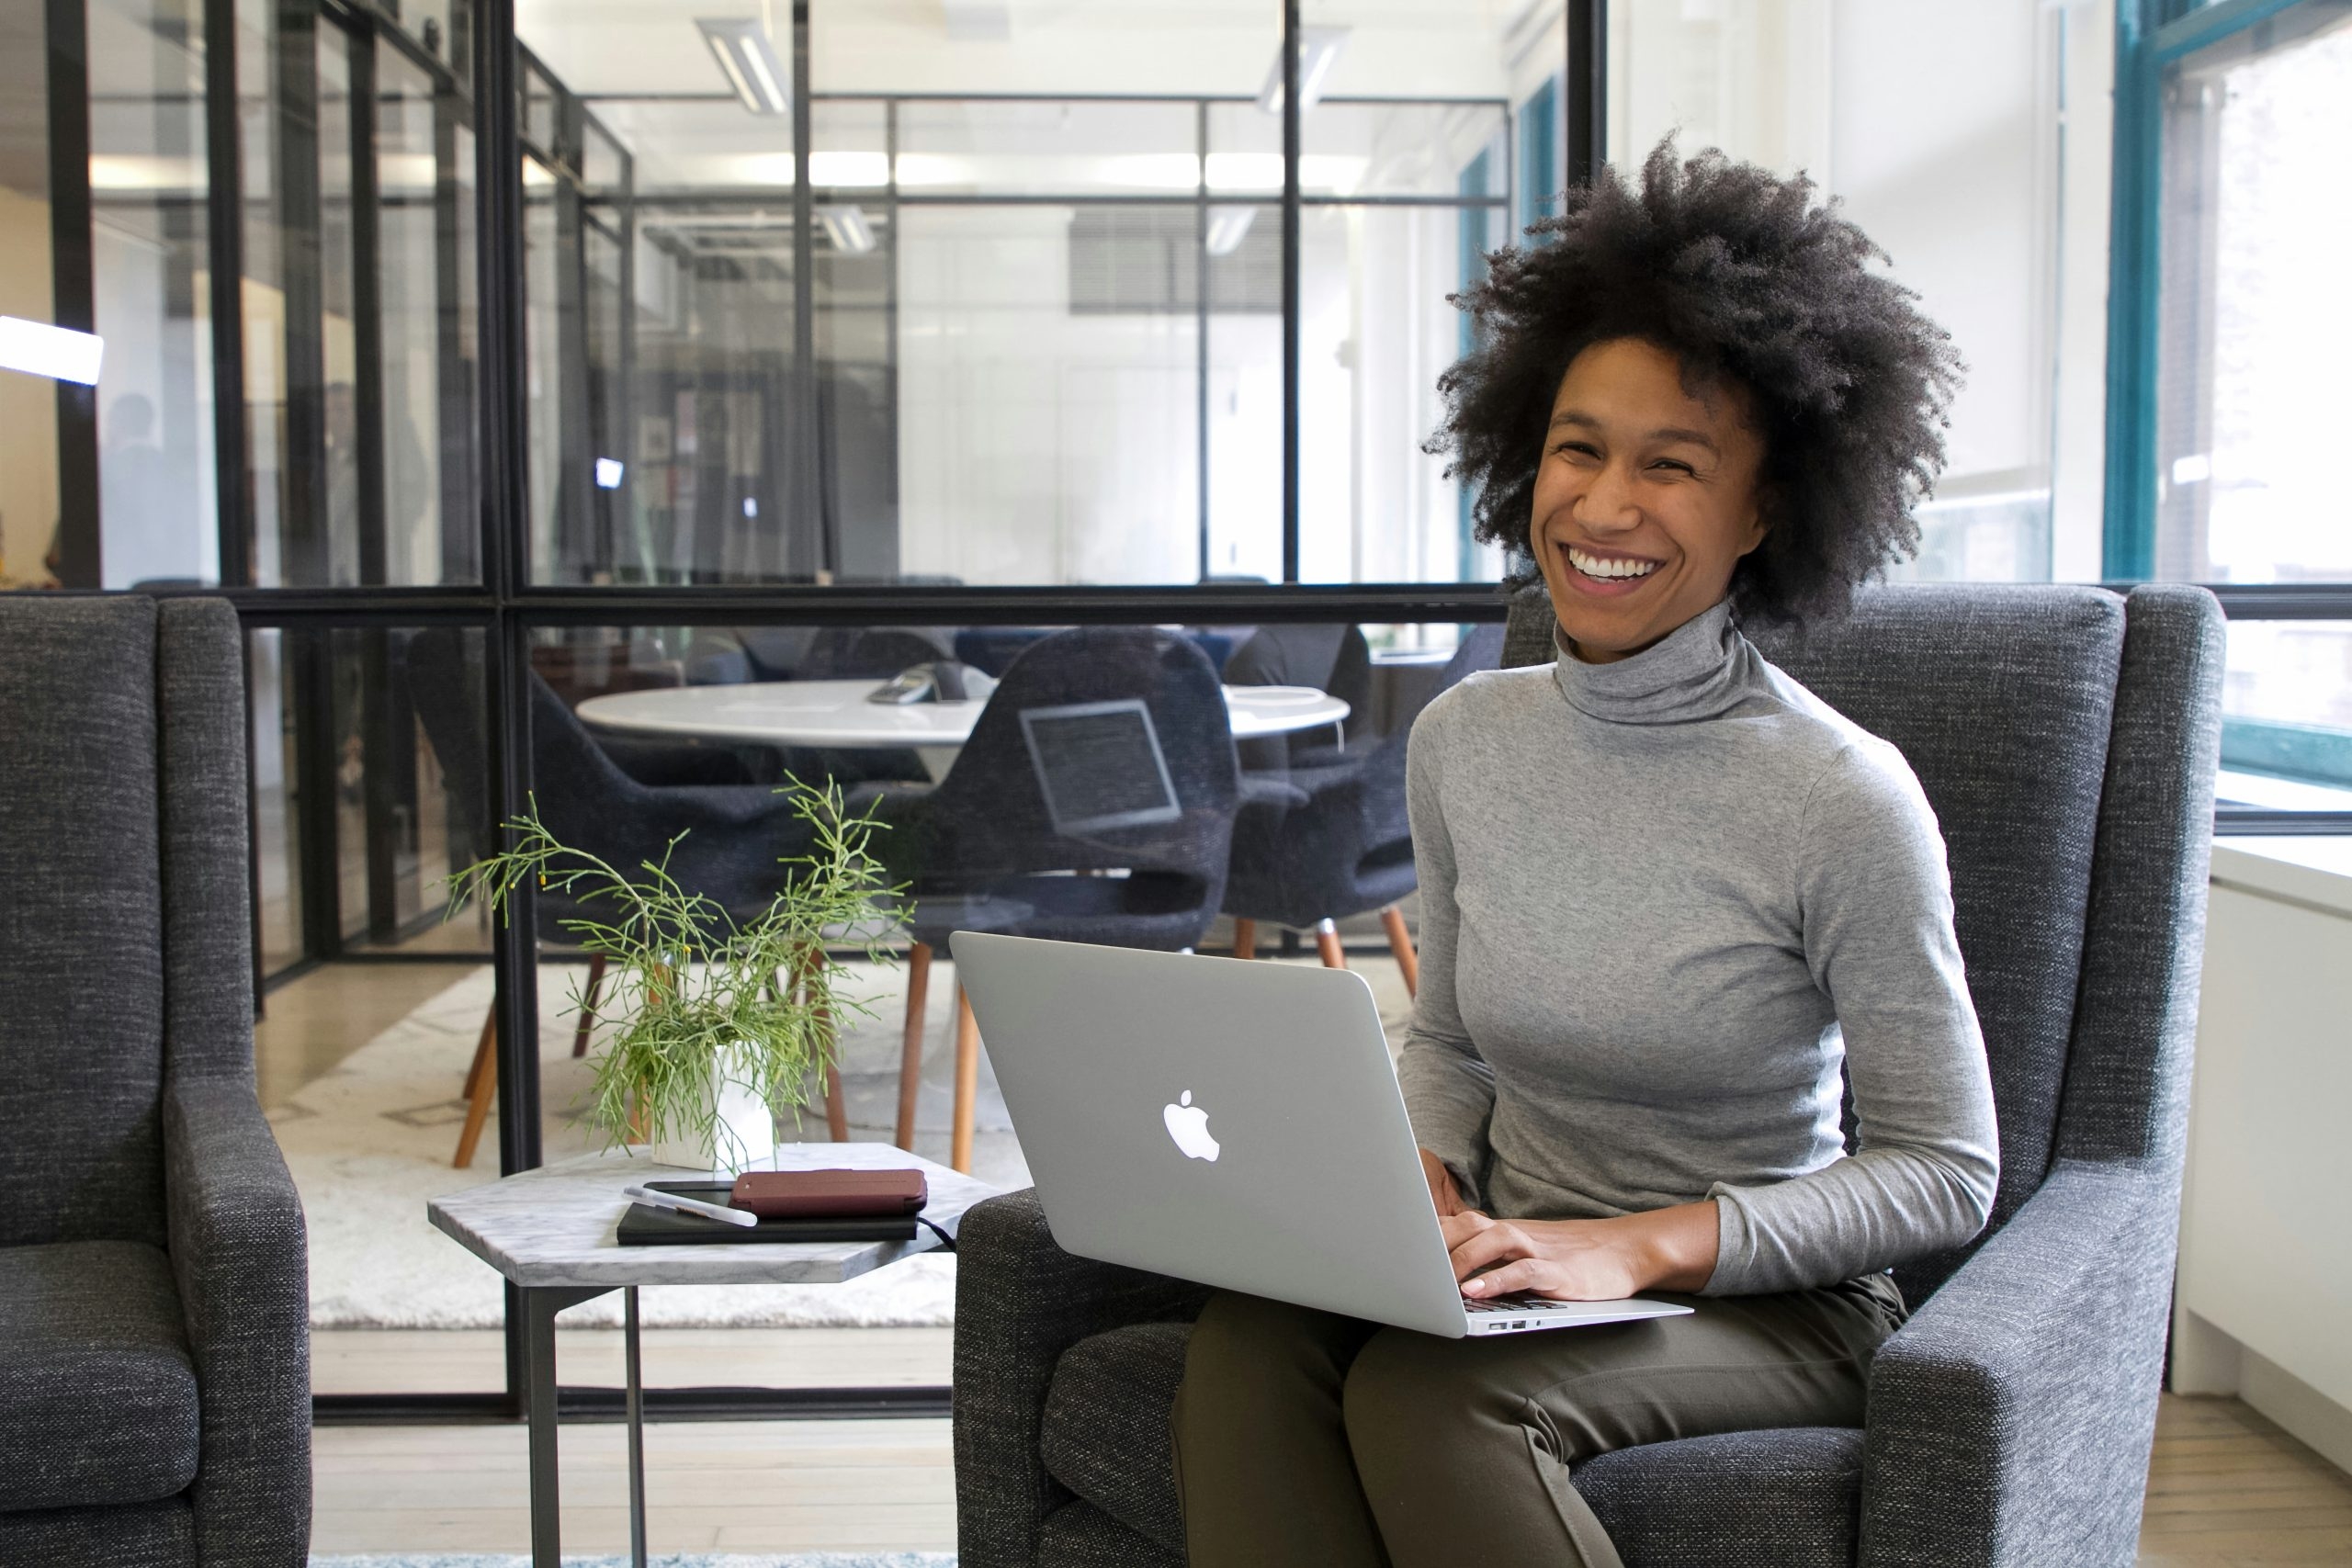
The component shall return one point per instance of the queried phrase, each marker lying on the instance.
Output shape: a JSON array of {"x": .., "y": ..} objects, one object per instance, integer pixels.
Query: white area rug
[{"x": 371, "y": 1141}]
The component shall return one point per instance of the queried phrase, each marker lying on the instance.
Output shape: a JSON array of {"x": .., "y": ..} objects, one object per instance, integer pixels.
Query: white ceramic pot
[{"x": 742, "y": 1134}]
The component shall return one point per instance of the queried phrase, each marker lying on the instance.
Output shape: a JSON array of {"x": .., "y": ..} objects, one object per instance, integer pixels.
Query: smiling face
[{"x": 1646, "y": 499}]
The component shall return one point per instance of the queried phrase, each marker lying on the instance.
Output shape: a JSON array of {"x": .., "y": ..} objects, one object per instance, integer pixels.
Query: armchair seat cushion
[
  {"x": 1106, "y": 1436},
  {"x": 1790, "y": 1498},
  {"x": 97, "y": 1394}
]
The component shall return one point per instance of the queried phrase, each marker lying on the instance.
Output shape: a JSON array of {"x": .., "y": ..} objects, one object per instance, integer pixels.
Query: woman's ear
[{"x": 1760, "y": 519}]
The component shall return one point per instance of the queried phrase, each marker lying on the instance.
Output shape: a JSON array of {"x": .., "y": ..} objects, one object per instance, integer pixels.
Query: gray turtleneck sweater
[{"x": 1663, "y": 902}]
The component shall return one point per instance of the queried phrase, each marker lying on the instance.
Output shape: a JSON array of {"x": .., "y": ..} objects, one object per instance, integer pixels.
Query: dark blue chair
[
  {"x": 1323, "y": 841},
  {"x": 734, "y": 834},
  {"x": 1329, "y": 658},
  {"x": 1104, "y": 750}
]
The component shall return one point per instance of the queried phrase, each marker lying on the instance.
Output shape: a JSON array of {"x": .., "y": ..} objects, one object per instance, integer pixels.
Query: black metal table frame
[{"x": 540, "y": 1305}]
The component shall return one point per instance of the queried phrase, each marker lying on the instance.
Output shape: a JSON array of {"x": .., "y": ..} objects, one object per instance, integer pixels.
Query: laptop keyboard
[{"x": 1522, "y": 1303}]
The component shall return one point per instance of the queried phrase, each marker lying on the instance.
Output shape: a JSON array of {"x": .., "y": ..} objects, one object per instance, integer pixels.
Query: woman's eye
[
  {"x": 1674, "y": 466},
  {"x": 1576, "y": 449}
]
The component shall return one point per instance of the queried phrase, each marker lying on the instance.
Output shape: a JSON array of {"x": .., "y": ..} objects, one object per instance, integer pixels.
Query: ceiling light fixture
[
  {"x": 1319, "y": 50},
  {"x": 749, "y": 62},
  {"x": 846, "y": 227},
  {"x": 58, "y": 352}
]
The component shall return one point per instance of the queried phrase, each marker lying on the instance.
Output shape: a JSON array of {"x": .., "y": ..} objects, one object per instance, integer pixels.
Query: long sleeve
[
  {"x": 1449, "y": 1089},
  {"x": 1875, "y": 900}
]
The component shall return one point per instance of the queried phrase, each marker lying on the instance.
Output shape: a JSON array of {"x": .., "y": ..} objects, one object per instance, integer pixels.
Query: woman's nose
[{"x": 1608, "y": 502}]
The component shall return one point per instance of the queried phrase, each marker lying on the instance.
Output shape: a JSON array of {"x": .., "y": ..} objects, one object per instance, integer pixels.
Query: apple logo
[{"x": 1189, "y": 1125}]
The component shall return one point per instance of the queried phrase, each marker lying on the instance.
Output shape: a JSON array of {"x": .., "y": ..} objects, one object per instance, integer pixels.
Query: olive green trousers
[{"x": 1306, "y": 1437}]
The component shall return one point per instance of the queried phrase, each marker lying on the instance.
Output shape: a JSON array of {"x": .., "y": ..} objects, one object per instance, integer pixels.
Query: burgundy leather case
[{"x": 824, "y": 1194}]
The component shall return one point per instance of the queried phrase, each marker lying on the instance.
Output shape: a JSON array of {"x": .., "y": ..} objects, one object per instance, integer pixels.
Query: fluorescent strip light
[
  {"x": 609, "y": 473},
  {"x": 58, "y": 352},
  {"x": 749, "y": 62},
  {"x": 1228, "y": 226},
  {"x": 846, "y": 227},
  {"x": 1319, "y": 50}
]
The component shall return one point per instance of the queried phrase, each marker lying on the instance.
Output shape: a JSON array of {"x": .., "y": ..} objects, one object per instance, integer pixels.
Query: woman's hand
[
  {"x": 1583, "y": 1261},
  {"x": 1443, "y": 1192}
]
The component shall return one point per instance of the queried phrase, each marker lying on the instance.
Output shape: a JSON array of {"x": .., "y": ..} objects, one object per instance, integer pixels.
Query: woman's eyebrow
[{"x": 1667, "y": 433}]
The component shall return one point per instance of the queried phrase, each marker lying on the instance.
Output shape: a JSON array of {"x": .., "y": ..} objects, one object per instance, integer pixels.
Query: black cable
[{"x": 946, "y": 1242}]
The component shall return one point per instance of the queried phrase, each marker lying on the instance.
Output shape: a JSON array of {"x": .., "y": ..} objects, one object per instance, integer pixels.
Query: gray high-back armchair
[
  {"x": 2067, "y": 739},
  {"x": 155, "y": 1310}
]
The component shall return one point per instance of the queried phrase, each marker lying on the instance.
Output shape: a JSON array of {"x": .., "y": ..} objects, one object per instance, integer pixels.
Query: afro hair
[{"x": 1744, "y": 279}]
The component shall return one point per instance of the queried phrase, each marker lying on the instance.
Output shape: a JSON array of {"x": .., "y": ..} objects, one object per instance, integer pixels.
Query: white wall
[{"x": 1972, "y": 142}]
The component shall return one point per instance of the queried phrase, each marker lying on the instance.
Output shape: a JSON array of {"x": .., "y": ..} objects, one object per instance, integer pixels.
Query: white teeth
[{"x": 1595, "y": 566}]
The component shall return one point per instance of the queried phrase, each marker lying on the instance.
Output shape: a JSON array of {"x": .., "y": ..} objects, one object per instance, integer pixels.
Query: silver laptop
[{"x": 1237, "y": 1124}]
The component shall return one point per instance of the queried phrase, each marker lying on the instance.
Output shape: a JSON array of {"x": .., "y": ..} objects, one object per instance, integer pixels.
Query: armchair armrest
[
  {"x": 1020, "y": 1301},
  {"x": 234, "y": 1230},
  {"x": 2009, "y": 1421}
]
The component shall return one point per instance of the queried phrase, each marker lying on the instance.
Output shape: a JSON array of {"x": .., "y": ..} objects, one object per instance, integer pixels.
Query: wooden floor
[{"x": 2226, "y": 1490}]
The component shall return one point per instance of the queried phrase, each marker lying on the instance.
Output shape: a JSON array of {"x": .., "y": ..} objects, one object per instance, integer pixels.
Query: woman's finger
[
  {"x": 1456, "y": 1228},
  {"x": 1493, "y": 1245},
  {"x": 1521, "y": 1274}
]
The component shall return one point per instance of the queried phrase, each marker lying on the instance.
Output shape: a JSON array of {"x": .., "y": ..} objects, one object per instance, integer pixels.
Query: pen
[{"x": 692, "y": 1206}]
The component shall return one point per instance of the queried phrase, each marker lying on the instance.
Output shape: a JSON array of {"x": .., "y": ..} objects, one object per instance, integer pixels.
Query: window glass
[
  {"x": 1414, "y": 135},
  {"x": 29, "y": 456},
  {"x": 1048, "y": 394},
  {"x": 425, "y": 268},
  {"x": 370, "y": 788},
  {"x": 1044, "y": 147},
  {"x": 2287, "y": 715},
  {"x": 2254, "y": 329},
  {"x": 2256, "y": 324},
  {"x": 147, "y": 186}
]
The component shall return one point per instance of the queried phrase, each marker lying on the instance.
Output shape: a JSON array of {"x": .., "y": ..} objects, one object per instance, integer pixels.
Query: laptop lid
[{"x": 1237, "y": 1124}]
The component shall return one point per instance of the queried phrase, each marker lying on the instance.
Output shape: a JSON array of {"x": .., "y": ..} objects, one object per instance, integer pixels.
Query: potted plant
[{"x": 716, "y": 1025}]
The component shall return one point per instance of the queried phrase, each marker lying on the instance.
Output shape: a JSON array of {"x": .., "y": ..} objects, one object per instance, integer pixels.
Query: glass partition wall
[
  {"x": 500, "y": 361},
  {"x": 502, "y": 364}
]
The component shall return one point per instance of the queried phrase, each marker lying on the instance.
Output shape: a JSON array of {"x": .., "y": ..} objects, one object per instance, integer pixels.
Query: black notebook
[{"x": 644, "y": 1225}]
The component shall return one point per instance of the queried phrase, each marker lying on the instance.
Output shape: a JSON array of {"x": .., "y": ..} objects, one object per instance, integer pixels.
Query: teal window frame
[{"x": 2150, "y": 36}]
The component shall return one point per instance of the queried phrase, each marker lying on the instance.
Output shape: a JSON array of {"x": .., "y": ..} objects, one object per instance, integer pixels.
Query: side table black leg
[
  {"x": 540, "y": 1307},
  {"x": 636, "y": 1435}
]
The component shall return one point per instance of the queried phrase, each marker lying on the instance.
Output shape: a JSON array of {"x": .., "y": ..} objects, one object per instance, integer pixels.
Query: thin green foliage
[{"x": 687, "y": 990}]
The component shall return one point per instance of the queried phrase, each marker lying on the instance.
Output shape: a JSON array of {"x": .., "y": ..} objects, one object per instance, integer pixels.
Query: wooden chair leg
[
  {"x": 1245, "y": 938},
  {"x": 1400, "y": 943},
  {"x": 1326, "y": 943},
  {"x": 967, "y": 1080},
  {"x": 588, "y": 1004},
  {"x": 481, "y": 1082},
  {"x": 910, "y": 1046},
  {"x": 836, "y": 1107}
]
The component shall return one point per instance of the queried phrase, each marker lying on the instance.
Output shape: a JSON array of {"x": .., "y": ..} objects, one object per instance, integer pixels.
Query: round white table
[{"x": 835, "y": 712}]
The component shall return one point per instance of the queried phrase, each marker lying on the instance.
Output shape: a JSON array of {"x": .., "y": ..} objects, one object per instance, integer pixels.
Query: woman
[{"x": 1671, "y": 903}]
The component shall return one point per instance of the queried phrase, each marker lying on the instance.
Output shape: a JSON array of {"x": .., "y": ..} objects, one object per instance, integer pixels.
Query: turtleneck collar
[{"x": 1697, "y": 670}]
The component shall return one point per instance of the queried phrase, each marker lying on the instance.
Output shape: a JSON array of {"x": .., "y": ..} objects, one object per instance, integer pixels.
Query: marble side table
[{"x": 550, "y": 1231}]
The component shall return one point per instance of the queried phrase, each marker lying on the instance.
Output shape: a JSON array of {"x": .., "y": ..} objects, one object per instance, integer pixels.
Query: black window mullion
[
  {"x": 73, "y": 289},
  {"x": 225, "y": 244},
  {"x": 1291, "y": 261},
  {"x": 1585, "y": 115},
  {"x": 498, "y": 253}
]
